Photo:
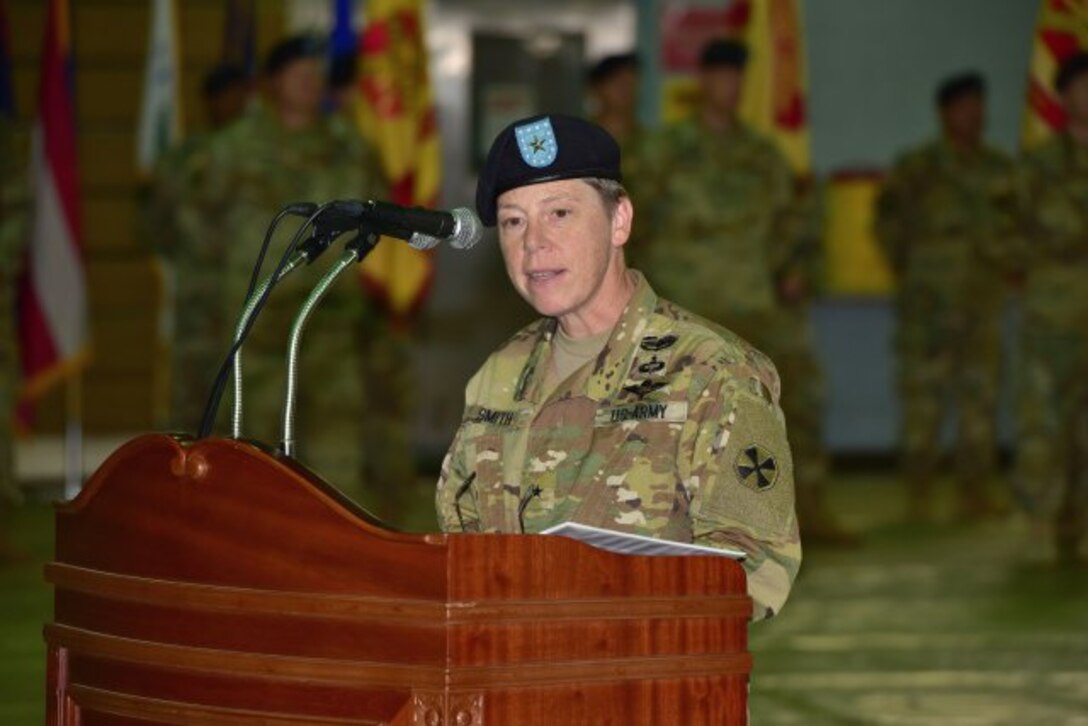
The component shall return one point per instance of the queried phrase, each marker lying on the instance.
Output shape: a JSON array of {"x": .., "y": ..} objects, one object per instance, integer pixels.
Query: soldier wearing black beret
[
  {"x": 226, "y": 91},
  {"x": 723, "y": 53},
  {"x": 944, "y": 208},
  {"x": 293, "y": 48},
  {"x": 613, "y": 84},
  {"x": 616, "y": 409}
]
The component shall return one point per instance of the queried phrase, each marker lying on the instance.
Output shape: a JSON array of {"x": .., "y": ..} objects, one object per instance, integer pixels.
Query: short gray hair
[{"x": 610, "y": 190}]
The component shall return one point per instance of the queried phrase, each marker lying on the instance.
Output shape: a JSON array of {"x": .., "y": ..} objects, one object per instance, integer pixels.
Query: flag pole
[{"x": 73, "y": 435}]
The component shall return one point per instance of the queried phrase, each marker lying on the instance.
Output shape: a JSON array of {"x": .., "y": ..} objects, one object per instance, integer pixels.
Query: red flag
[
  {"x": 53, "y": 290},
  {"x": 398, "y": 118},
  {"x": 1060, "y": 31}
]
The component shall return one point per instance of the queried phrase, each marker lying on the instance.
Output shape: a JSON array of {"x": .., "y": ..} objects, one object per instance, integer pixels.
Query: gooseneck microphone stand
[{"x": 354, "y": 251}]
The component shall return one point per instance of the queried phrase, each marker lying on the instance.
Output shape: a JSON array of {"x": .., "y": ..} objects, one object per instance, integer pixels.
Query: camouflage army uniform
[
  {"x": 673, "y": 432},
  {"x": 939, "y": 217},
  {"x": 195, "y": 270},
  {"x": 1053, "y": 402},
  {"x": 14, "y": 216},
  {"x": 255, "y": 167},
  {"x": 718, "y": 225}
]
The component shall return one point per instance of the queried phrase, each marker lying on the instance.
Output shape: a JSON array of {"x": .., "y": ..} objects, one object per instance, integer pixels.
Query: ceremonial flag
[
  {"x": 53, "y": 292},
  {"x": 7, "y": 91},
  {"x": 774, "y": 99},
  {"x": 160, "y": 114},
  {"x": 1060, "y": 31},
  {"x": 398, "y": 118}
]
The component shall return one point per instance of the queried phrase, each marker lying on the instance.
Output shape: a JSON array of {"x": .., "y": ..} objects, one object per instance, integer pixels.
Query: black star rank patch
[{"x": 757, "y": 468}]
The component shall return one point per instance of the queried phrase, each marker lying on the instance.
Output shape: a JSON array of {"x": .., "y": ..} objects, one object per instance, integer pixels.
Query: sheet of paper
[{"x": 636, "y": 544}]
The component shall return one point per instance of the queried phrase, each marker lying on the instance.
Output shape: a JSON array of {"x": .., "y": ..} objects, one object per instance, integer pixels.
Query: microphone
[{"x": 422, "y": 228}]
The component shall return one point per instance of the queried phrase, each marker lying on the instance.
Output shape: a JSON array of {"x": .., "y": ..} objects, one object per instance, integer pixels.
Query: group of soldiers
[
  {"x": 724, "y": 229},
  {"x": 727, "y": 231},
  {"x": 963, "y": 226}
]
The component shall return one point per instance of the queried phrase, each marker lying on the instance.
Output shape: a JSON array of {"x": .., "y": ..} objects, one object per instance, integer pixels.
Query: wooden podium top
[{"x": 210, "y": 582}]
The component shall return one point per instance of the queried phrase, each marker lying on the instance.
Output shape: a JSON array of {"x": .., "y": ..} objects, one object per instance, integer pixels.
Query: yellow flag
[
  {"x": 1061, "y": 31},
  {"x": 775, "y": 95},
  {"x": 398, "y": 118}
]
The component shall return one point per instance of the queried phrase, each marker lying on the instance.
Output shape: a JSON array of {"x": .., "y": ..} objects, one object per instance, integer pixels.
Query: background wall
[{"x": 874, "y": 65}]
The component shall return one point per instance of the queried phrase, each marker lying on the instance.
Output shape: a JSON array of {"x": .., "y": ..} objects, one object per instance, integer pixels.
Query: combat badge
[
  {"x": 654, "y": 343},
  {"x": 537, "y": 143},
  {"x": 757, "y": 468},
  {"x": 644, "y": 388}
]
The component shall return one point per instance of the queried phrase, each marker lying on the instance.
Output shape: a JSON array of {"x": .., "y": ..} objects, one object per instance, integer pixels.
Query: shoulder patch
[{"x": 757, "y": 468}]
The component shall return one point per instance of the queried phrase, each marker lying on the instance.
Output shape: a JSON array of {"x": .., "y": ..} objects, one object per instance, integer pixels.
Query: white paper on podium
[{"x": 636, "y": 544}]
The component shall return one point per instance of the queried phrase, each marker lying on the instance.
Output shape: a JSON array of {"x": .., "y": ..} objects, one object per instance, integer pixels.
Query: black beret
[
  {"x": 292, "y": 49},
  {"x": 343, "y": 70},
  {"x": 962, "y": 84},
  {"x": 610, "y": 65},
  {"x": 540, "y": 149},
  {"x": 222, "y": 78},
  {"x": 1070, "y": 68},
  {"x": 722, "y": 53}
]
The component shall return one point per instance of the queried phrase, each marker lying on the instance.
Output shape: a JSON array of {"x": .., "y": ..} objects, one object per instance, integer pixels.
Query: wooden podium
[{"x": 212, "y": 583}]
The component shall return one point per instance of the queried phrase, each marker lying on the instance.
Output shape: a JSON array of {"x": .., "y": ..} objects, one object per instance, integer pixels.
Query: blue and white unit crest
[{"x": 537, "y": 144}]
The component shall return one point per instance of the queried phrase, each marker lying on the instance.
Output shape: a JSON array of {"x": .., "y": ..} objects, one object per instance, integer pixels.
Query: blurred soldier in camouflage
[
  {"x": 195, "y": 266},
  {"x": 388, "y": 340},
  {"x": 613, "y": 87},
  {"x": 1052, "y": 475},
  {"x": 725, "y": 233},
  {"x": 617, "y": 409},
  {"x": 944, "y": 208},
  {"x": 14, "y": 228},
  {"x": 286, "y": 151}
]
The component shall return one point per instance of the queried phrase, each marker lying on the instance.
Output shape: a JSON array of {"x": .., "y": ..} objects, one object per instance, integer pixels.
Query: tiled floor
[{"x": 944, "y": 624}]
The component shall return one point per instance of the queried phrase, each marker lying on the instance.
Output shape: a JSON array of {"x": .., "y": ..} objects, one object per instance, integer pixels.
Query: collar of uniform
[{"x": 604, "y": 378}]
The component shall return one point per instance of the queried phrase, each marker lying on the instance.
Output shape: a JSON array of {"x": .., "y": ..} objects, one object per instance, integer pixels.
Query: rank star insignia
[
  {"x": 538, "y": 144},
  {"x": 757, "y": 468}
]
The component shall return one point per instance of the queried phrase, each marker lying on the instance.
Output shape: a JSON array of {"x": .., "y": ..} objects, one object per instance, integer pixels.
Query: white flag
[{"x": 160, "y": 113}]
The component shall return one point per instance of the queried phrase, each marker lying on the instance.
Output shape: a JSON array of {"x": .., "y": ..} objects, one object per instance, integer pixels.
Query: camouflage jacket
[
  {"x": 1053, "y": 244},
  {"x": 673, "y": 432},
  {"x": 713, "y": 224},
  {"x": 942, "y": 215}
]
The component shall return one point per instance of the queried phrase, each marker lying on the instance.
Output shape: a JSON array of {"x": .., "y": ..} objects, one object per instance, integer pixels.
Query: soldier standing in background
[
  {"x": 14, "y": 231},
  {"x": 943, "y": 210},
  {"x": 726, "y": 234},
  {"x": 1052, "y": 471},
  {"x": 195, "y": 272},
  {"x": 613, "y": 87},
  {"x": 285, "y": 150}
]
